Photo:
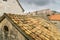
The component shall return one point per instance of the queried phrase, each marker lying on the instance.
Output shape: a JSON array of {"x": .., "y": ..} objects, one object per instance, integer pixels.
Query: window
[
  {"x": 6, "y": 32},
  {"x": 6, "y": 28},
  {"x": 4, "y": 0},
  {"x": 48, "y": 15}
]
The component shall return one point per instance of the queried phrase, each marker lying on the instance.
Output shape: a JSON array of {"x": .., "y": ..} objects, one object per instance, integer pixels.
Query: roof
[
  {"x": 20, "y": 5},
  {"x": 36, "y": 28},
  {"x": 55, "y": 17}
]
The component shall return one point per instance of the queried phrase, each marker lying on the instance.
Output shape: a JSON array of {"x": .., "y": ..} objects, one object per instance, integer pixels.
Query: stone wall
[
  {"x": 11, "y": 34},
  {"x": 57, "y": 23},
  {"x": 10, "y": 6}
]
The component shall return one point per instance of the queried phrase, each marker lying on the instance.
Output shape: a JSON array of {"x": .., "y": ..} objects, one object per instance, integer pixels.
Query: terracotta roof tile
[
  {"x": 37, "y": 28},
  {"x": 55, "y": 17}
]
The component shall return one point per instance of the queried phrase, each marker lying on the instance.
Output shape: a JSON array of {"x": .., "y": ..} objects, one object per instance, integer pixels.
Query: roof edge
[
  {"x": 20, "y": 6},
  {"x": 2, "y": 17}
]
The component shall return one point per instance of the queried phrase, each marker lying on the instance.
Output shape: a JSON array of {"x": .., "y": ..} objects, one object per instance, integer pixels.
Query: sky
[{"x": 33, "y": 5}]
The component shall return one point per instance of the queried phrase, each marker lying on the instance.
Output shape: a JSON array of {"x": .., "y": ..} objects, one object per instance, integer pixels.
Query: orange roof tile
[
  {"x": 37, "y": 28},
  {"x": 55, "y": 17}
]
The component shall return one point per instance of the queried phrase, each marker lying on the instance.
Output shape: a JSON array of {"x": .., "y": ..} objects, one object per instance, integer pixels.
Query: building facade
[
  {"x": 45, "y": 13},
  {"x": 10, "y": 6},
  {"x": 55, "y": 19},
  {"x": 9, "y": 32}
]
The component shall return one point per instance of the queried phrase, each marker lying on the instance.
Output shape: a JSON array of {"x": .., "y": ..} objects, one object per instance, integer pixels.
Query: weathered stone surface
[
  {"x": 13, "y": 34},
  {"x": 10, "y": 6}
]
